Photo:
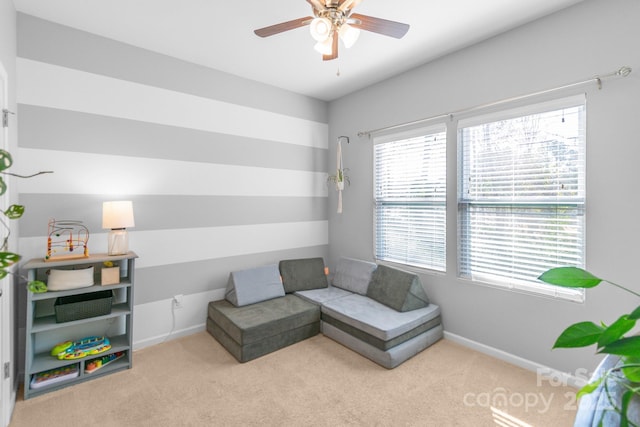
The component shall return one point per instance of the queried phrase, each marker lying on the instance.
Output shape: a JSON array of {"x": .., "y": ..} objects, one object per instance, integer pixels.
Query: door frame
[{"x": 7, "y": 393}]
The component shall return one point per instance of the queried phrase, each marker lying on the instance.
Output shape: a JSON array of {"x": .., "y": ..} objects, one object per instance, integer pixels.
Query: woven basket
[{"x": 83, "y": 306}]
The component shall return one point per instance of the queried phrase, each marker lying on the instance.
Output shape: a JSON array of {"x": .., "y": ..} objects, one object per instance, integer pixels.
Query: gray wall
[
  {"x": 593, "y": 37},
  {"x": 220, "y": 169}
]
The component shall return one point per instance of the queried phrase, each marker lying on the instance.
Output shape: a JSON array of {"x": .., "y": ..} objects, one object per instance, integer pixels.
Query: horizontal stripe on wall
[
  {"x": 49, "y": 85},
  {"x": 55, "y": 129},
  {"x": 83, "y": 173},
  {"x": 225, "y": 174},
  {"x": 166, "y": 247},
  {"x": 170, "y": 211},
  {"x": 164, "y": 281},
  {"x": 57, "y": 44}
]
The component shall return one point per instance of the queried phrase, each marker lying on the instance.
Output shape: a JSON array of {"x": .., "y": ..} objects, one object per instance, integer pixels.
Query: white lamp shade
[
  {"x": 325, "y": 47},
  {"x": 117, "y": 215},
  {"x": 348, "y": 35},
  {"x": 320, "y": 29}
]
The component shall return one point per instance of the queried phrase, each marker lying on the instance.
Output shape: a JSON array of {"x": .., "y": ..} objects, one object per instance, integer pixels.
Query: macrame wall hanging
[{"x": 340, "y": 177}]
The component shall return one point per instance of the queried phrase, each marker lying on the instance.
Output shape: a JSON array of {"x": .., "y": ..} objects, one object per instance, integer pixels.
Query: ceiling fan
[{"x": 333, "y": 20}]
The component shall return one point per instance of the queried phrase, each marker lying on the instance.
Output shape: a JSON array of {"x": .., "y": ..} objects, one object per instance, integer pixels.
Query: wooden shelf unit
[{"x": 43, "y": 332}]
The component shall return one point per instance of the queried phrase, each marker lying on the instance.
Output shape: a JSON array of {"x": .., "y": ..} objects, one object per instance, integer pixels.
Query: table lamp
[{"x": 117, "y": 216}]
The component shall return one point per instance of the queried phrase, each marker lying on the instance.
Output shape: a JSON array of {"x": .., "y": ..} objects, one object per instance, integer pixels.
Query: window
[
  {"x": 521, "y": 196},
  {"x": 410, "y": 199}
]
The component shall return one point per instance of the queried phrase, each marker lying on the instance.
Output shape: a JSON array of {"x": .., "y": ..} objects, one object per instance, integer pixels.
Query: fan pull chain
[{"x": 338, "y": 72}]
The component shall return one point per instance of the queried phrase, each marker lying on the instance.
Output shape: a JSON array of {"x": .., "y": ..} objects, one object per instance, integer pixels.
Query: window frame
[
  {"x": 399, "y": 136},
  {"x": 529, "y": 287}
]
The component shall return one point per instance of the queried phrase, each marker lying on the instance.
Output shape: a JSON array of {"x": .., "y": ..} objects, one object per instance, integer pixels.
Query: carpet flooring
[{"x": 193, "y": 381}]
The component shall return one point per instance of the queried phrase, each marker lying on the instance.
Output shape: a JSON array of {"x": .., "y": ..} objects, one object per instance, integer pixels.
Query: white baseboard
[
  {"x": 147, "y": 342},
  {"x": 556, "y": 376}
]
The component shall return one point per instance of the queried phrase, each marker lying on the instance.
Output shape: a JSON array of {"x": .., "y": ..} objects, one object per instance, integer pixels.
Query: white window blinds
[
  {"x": 410, "y": 200},
  {"x": 521, "y": 197}
]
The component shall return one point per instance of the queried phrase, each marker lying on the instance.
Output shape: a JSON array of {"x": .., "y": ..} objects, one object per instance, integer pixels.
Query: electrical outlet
[{"x": 177, "y": 300}]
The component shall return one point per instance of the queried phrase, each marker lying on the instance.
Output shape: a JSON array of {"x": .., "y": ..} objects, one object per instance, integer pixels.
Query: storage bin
[
  {"x": 61, "y": 280},
  {"x": 82, "y": 306},
  {"x": 109, "y": 276}
]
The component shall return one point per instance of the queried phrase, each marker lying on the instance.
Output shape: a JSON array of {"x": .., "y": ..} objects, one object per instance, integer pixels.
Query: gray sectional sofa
[{"x": 381, "y": 312}]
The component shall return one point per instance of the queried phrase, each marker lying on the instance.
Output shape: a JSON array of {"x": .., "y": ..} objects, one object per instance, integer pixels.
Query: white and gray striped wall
[{"x": 224, "y": 173}]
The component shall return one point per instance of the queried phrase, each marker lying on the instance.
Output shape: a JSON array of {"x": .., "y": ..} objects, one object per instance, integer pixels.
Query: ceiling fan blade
[
  {"x": 379, "y": 25},
  {"x": 334, "y": 49},
  {"x": 283, "y": 26}
]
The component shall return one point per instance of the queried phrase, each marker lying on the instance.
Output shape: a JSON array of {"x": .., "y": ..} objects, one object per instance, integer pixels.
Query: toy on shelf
[
  {"x": 67, "y": 240},
  {"x": 52, "y": 376},
  {"x": 100, "y": 362},
  {"x": 70, "y": 350}
]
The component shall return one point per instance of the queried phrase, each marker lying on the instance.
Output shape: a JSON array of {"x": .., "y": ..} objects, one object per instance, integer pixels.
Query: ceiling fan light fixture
[
  {"x": 325, "y": 47},
  {"x": 334, "y": 20},
  {"x": 320, "y": 29},
  {"x": 348, "y": 34}
]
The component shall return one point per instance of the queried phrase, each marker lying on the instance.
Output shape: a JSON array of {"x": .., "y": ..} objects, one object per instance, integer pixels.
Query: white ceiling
[{"x": 219, "y": 34}]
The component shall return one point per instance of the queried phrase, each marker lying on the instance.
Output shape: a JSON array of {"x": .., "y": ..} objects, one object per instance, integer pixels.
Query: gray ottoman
[{"x": 254, "y": 330}]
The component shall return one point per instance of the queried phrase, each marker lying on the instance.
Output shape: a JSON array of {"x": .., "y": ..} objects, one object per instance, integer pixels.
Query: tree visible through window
[{"x": 521, "y": 197}]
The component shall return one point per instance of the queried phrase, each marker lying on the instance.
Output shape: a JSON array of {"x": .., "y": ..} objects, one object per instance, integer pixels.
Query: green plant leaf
[
  {"x": 3, "y": 273},
  {"x": 579, "y": 335},
  {"x": 14, "y": 211},
  {"x": 3, "y": 186},
  {"x": 631, "y": 368},
  {"x": 635, "y": 314},
  {"x": 589, "y": 388},
  {"x": 624, "y": 347},
  {"x": 8, "y": 258},
  {"x": 570, "y": 277},
  {"x": 5, "y": 160},
  {"x": 37, "y": 286},
  {"x": 616, "y": 330}
]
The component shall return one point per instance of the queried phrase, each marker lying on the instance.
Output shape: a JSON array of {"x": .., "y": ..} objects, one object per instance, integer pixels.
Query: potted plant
[
  {"x": 621, "y": 382},
  {"x": 339, "y": 179}
]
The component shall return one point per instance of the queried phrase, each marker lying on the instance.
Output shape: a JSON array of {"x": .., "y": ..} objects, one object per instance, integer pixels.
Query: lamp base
[{"x": 118, "y": 241}]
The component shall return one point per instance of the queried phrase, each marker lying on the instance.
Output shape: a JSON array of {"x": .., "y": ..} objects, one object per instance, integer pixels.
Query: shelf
[
  {"x": 42, "y": 330},
  {"x": 48, "y": 323},
  {"x": 91, "y": 259},
  {"x": 117, "y": 365},
  {"x": 45, "y": 361},
  {"x": 95, "y": 288}
]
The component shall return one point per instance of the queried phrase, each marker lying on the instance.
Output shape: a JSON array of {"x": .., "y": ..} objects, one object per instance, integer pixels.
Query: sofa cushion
[
  {"x": 254, "y": 285},
  {"x": 377, "y": 342},
  {"x": 303, "y": 274},
  {"x": 257, "y": 322},
  {"x": 389, "y": 358},
  {"x": 353, "y": 275},
  {"x": 398, "y": 289},
  {"x": 253, "y": 350},
  {"x": 377, "y": 319},
  {"x": 322, "y": 295}
]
